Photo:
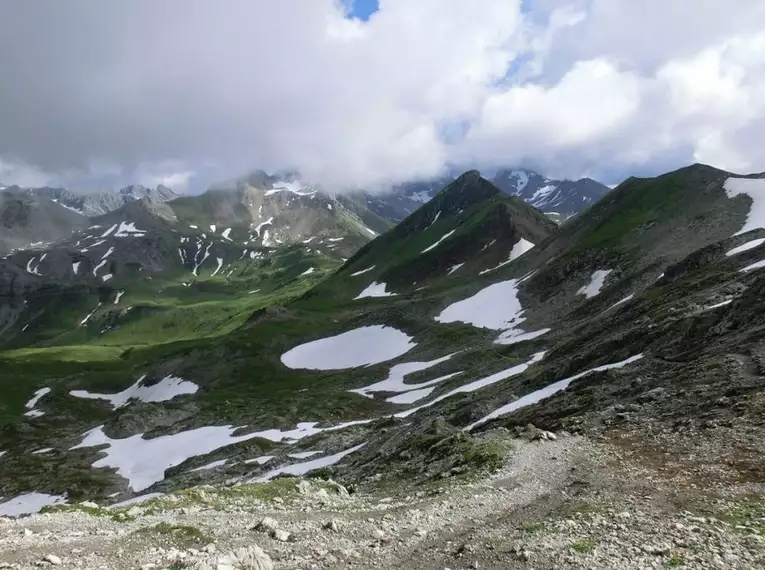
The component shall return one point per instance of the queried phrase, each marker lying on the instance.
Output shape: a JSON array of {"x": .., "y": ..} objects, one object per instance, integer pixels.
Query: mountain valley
[{"x": 438, "y": 377}]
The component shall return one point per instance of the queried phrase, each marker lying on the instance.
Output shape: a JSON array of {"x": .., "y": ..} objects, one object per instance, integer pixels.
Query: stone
[
  {"x": 332, "y": 525},
  {"x": 52, "y": 559},
  {"x": 281, "y": 535},
  {"x": 267, "y": 525}
]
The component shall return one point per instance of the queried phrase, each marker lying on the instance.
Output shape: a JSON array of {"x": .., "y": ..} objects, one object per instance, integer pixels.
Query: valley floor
[{"x": 625, "y": 499}]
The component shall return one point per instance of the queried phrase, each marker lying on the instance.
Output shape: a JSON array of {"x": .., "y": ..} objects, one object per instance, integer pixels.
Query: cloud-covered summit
[{"x": 101, "y": 93}]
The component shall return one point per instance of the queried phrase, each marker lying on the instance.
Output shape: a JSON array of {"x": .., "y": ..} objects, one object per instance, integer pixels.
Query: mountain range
[{"x": 197, "y": 352}]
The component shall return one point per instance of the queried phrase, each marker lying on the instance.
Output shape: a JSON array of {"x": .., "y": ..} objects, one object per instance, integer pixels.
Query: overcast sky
[{"x": 98, "y": 93}]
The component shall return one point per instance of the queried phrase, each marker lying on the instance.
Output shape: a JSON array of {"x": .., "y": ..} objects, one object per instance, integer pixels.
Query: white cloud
[{"x": 595, "y": 86}]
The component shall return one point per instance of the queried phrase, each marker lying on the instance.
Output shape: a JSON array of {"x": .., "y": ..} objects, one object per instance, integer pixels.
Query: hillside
[{"x": 412, "y": 373}]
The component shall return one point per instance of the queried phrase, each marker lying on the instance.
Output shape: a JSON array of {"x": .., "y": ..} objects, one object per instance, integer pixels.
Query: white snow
[
  {"x": 438, "y": 215},
  {"x": 308, "y": 271},
  {"x": 143, "y": 462},
  {"x": 494, "y": 307},
  {"x": 194, "y": 227},
  {"x": 514, "y": 336},
  {"x": 307, "y": 466},
  {"x": 294, "y": 187},
  {"x": 370, "y": 232},
  {"x": 523, "y": 180},
  {"x": 755, "y": 189},
  {"x": 753, "y": 266},
  {"x": 309, "y": 240},
  {"x": 446, "y": 236},
  {"x": 107, "y": 277},
  {"x": 34, "y": 413},
  {"x": 596, "y": 283},
  {"x": 335, "y": 239},
  {"x": 358, "y": 347},
  {"x": 622, "y": 301},
  {"x": 29, "y": 504},
  {"x": 262, "y": 460},
  {"x": 303, "y": 454},
  {"x": 136, "y": 500},
  {"x": 118, "y": 297},
  {"x": 478, "y": 384},
  {"x": 454, "y": 268},
  {"x": 41, "y": 451},
  {"x": 266, "y": 240},
  {"x": 746, "y": 247},
  {"x": 109, "y": 231},
  {"x": 329, "y": 206},
  {"x": 36, "y": 398},
  {"x": 86, "y": 319},
  {"x": 213, "y": 227},
  {"x": 206, "y": 255},
  {"x": 99, "y": 266},
  {"x": 33, "y": 270},
  {"x": 363, "y": 271},
  {"x": 718, "y": 305},
  {"x": 220, "y": 264},
  {"x": 374, "y": 290},
  {"x": 395, "y": 380},
  {"x": 166, "y": 389},
  {"x": 129, "y": 230},
  {"x": 211, "y": 465},
  {"x": 519, "y": 248},
  {"x": 549, "y": 390},
  {"x": 253, "y": 291},
  {"x": 75, "y": 267}
]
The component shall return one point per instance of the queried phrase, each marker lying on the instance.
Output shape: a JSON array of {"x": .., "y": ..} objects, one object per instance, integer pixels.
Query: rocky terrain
[{"x": 375, "y": 406}]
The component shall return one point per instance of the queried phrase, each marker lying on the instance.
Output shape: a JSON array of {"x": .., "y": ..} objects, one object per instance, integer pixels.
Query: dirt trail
[{"x": 563, "y": 503}]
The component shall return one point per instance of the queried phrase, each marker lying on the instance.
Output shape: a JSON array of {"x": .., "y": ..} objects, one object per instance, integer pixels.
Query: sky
[{"x": 362, "y": 93}]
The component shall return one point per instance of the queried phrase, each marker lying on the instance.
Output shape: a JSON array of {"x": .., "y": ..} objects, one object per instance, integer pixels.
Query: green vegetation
[
  {"x": 583, "y": 546},
  {"x": 180, "y": 535},
  {"x": 675, "y": 561}
]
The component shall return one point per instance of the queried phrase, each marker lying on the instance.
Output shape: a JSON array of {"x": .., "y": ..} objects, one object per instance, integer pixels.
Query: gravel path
[{"x": 566, "y": 502}]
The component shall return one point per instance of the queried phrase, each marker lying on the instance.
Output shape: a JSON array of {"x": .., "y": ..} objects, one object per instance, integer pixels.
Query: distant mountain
[
  {"x": 560, "y": 199},
  {"x": 99, "y": 203},
  {"x": 30, "y": 219}
]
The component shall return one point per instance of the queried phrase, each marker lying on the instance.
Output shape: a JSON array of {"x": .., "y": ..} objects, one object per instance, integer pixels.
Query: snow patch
[
  {"x": 29, "y": 504},
  {"x": 755, "y": 189},
  {"x": 220, "y": 264},
  {"x": 746, "y": 247},
  {"x": 454, "y": 268},
  {"x": 547, "y": 391},
  {"x": 302, "y": 468},
  {"x": 86, "y": 319},
  {"x": 308, "y": 271},
  {"x": 166, "y": 389},
  {"x": 363, "y": 271},
  {"x": 753, "y": 266},
  {"x": 129, "y": 230},
  {"x": 596, "y": 283},
  {"x": 36, "y": 398},
  {"x": 211, "y": 465},
  {"x": 226, "y": 233},
  {"x": 75, "y": 267},
  {"x": 395, "y": 380},
  {"x": 478, "y": 384},
  {"x": 519, "y": 248},
  {"x": 446, "y": 236},
  {"x": 358, "y": 347},
  {"x": 107, "y": 277},
  {"x": 118, "y": 297},
  {"x": 374, "y": 290}
]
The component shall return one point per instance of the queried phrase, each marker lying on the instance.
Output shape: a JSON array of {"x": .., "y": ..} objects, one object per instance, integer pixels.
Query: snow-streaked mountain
[
  {"x": 560, "y": 199},
  {"x": 99, "y": 203}
]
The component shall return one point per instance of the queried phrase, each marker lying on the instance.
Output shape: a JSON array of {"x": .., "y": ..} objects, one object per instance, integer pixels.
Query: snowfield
[
  {"x": 395, "y": 380},
  {"x": 550, "y": 390},
  {"x": 374, "y": 290},
  {"x": 166, "y": 389},
  {"x": 746, "y": 247},
  {"x": 755, "y": 189},
  {"x": 596, "y": 283},
  {"x": 358, "y": 347},
  {"x": 29, "y": 503},
  {"x": 477, "y": 384},
  {"x": 362, "y": 271},
  {"x": 304, "y": 467}
]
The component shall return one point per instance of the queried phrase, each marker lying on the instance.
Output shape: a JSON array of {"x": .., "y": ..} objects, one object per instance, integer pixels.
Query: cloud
[{"x": 190, "y": 91}]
